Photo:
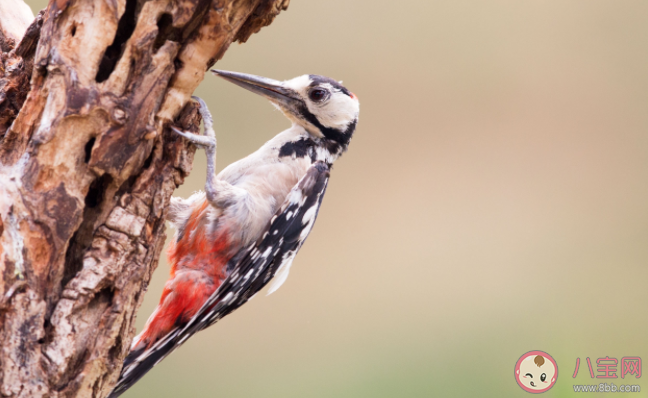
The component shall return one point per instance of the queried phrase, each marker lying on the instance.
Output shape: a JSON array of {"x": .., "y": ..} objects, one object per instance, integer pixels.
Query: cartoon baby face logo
[{"x": 536, "y": 372}]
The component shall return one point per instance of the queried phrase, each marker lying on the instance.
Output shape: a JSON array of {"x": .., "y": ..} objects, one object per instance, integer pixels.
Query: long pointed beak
[{"x": 271, "y": 89}]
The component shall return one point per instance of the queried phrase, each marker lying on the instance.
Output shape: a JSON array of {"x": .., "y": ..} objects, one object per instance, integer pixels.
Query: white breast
[{"x": 267, "y": 180}]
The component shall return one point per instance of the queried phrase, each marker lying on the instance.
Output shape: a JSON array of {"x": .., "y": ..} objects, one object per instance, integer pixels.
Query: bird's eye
[
  {"x": 543, "y": 377},
  {"x": 318, "y": 94}
]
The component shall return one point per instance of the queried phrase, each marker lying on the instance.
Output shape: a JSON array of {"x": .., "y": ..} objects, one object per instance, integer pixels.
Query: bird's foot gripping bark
[
  {"x": 207, "y": 140},
  {"x": 201, "y": 141},
  {"x": 214, "y": 189}
]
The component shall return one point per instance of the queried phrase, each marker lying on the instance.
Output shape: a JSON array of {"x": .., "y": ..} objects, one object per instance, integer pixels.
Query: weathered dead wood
[{"x": 87, "y": 167}]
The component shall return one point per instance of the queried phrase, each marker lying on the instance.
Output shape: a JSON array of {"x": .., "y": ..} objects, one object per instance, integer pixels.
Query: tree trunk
[{"x": 87, "y": 167}]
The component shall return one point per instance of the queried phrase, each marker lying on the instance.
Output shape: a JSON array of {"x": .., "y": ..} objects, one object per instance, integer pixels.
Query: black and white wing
[{"x": 255, "y": 267}]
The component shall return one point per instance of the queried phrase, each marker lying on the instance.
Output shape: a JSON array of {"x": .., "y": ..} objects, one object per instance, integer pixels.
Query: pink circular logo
[{"x": 536, "y": 372}]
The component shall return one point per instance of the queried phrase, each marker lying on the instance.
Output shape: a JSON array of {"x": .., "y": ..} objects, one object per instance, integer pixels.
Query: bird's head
[{"x": 321, "y": 105}]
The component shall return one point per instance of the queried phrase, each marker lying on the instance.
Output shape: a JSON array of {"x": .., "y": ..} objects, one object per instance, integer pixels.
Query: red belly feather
[{"x": 198, "y": 267}]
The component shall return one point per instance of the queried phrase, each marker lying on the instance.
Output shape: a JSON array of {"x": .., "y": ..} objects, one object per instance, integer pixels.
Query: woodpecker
[{"x": 253, "y": 217}]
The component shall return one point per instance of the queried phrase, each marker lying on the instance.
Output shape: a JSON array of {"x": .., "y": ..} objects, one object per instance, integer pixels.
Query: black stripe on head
[{"x": 317, "y": 80}]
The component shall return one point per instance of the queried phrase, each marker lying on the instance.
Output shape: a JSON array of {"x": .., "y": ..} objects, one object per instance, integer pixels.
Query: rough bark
[{"x": 87, "y": 167}]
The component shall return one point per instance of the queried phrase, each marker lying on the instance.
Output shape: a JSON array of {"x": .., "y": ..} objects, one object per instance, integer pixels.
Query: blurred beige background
[{"x": 493, "y": 202}]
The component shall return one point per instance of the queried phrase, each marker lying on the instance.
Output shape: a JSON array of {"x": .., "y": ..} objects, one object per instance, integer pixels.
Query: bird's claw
[
  {"x": 197, "y": 139},
  {"x": 208, "y": 139},
  {"x": 208, "y": 120}
]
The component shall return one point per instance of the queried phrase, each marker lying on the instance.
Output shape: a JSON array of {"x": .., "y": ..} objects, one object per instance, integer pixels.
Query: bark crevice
[{"x": 113, "y": 53}]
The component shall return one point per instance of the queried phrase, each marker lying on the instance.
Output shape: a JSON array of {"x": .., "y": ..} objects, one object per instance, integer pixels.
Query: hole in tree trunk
[
  {"x": 102, "y": 298},
  {"x": 166, "y": 31},
  {"x": 88, "y": 149},
  {"x": 47, "y": 327},
  {"x": 114, "y": 52},
  {"x": 116, "y": 349},
  {"x": 149, "y": 160},
  {"x": 82, "y": 238},
  {"x": 97, "y": 189}
]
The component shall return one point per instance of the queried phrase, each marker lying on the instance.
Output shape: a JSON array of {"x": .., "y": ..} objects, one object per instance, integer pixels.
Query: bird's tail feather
[{"x": 142, "y": 359}]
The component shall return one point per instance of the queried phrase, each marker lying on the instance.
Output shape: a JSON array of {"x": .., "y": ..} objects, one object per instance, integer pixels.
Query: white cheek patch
[{"x": 338, "y": 112}]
